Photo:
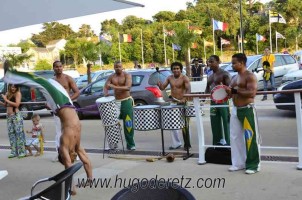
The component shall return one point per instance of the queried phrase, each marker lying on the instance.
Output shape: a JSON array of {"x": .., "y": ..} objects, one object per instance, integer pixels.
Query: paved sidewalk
[{"x": 278, "y": 180}]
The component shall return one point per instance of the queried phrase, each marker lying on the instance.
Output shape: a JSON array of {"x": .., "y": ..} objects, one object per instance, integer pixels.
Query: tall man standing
[
  {"x": 244, "y": 130},
  {"x": 197, "y": 70},
  {"x": 71, "y": 88},
  {"x": 268, "y": 62},
  {"x": 220, "y": 116},
  {"x": 180, "y": 85},
  {"x": 121, "y": 83}
]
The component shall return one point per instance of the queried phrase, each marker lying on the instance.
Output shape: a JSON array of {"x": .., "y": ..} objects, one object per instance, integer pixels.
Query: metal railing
[{"x": 200, "y": 128}]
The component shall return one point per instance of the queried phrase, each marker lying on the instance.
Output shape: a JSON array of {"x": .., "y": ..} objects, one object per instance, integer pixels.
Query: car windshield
[
  {"x": 45, "y": 74},
  {"x": 159, "y": 76},
  {"x": 250, "y": 60},
  {"x": 84, "y": 78}
]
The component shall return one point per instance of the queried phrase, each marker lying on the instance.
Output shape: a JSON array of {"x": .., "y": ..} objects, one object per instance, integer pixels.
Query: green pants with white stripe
[
  {"x": 244, "y": 138},
  {"x": 220, "y": 123}
]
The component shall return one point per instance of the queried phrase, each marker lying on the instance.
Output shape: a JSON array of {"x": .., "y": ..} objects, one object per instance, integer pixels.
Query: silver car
[
  {"x": 82, "y": 81},
  {"x": 284, "y": 63}
]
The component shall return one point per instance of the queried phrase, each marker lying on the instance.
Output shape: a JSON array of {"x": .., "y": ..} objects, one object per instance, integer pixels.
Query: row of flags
[
  {"x": 122, "y": 38},
  {"x": 274, "y": 17}
]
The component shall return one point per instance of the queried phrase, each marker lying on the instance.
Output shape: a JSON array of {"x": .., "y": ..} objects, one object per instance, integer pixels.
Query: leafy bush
[{"x": 43, "y": 65}]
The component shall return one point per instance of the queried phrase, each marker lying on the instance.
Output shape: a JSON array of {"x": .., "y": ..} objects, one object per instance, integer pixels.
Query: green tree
[
  {"x": 164, "y": 16},
  {"x": 17, "y": 60},
  {"x": 43, "y": 65},
  {"x": 52, "y": 31},
  {"x": 85, "y": 31},
  {"x": 72, "y": 49},
  {"x": 25, "y": 45}
]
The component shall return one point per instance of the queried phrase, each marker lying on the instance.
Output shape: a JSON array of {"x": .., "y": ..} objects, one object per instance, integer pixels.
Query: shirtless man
[
  {"x": 61, "y": 104},
  {"x": 70, "y": 86},
  {"x": 180, "y": 85},
  {"x": 121, "y": 83},
  {"x": 220, "y": 116},
  {"x": 244, "y": 131}
]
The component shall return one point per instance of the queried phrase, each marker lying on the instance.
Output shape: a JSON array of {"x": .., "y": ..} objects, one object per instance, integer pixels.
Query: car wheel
[
  {"x": 25, "y": 112},
  {"x": 80, "y": 114},
  {"x": 140, "y": 102}
]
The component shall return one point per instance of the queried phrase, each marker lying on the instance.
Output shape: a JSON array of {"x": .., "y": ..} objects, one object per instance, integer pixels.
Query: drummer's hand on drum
[{"x": 228, "y": 91}]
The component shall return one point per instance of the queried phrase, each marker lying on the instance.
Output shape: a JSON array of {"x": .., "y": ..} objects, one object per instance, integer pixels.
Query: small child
[{"x": 37, "y": 136}]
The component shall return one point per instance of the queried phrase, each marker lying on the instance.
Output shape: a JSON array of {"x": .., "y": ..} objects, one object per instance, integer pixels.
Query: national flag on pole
[
  {"x": 195, "y": 30},
  {"x": 275, "y": 17},
  {"x": 279, "y": 35},
  {"x": 260, "y": 37},
  {"x": 207, "y": 44},
  {"x": 105, "y": 38},
  {"x": 194, "y": 45},
  {"x": 169, "y": 32},
  {"x": 176, "y": 47},
  {"x": 217, "y": 25},
  {"x": 125, "y": 38},
  {"x": 224, "y": 41}
]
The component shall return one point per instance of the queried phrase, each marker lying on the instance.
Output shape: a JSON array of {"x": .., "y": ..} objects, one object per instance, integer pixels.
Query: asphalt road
[{"x": 277, "y": 128}]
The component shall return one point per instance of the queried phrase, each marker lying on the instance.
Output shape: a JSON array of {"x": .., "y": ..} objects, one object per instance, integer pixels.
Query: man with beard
[{"x": 121, "y": 83}]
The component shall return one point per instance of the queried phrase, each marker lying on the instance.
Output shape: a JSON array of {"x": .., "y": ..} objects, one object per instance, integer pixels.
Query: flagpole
[
  {"x": 239, "y": 44},
  {"x": 204, "y": 49},
  {"x": 296, "y": 43},
  {"x": 276, "y": 43},
  {"x": 270, "y": 31},
  {"x": 165, "y": 51},
  {"x": 241, "y": 27},
  {"x": 142, "y": 48},
  {"x": 119, "y": 46},
  {"x": 257, "y": 43},
  {"x": 213, "y": 35},
  {"x": 189, "y": 48},
  {"x": 220, "y": 46},
  {"x": 173, "y": 53}
]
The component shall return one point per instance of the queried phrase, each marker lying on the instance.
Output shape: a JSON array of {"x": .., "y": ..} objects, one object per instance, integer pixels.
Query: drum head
[
  {"x": 147, "y": 107},
  {"x": 219, "y": 94},
  {"x": 105, "y": 99}
]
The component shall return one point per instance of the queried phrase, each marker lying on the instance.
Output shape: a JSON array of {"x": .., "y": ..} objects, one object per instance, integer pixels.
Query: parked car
[
  {"x": 284, "y": 63},
  {"x": 298, "y": 56},
  {"x": 224, "y": 65},
  {"x": 44, "y": 73},
  {"x": 292, "y": 76},
  {"x": 287, "y": 98},
  {"x": 82, "y": 81},
  {"x": 144, "y": 91},
  {"x": 28, "y": 95}
]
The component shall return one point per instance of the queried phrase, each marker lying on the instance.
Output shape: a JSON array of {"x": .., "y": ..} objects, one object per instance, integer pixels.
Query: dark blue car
[{"x": 289, "y": 97}]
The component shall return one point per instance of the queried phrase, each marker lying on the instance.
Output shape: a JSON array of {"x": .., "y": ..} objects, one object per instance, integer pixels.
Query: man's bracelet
[{"x": 234, "y": 91}]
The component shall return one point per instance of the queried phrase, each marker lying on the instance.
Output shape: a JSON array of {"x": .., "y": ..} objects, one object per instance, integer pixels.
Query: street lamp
[{"x": 241, "y": 28}]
